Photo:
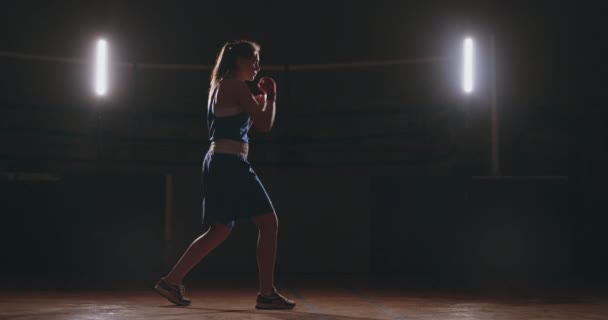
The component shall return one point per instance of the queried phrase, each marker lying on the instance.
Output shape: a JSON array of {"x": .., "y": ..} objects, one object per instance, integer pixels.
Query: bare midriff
[{"x": 228, "y": 146}]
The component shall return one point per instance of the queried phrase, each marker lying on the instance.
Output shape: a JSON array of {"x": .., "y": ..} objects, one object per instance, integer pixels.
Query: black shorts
[{"x": 232, "y": 190}]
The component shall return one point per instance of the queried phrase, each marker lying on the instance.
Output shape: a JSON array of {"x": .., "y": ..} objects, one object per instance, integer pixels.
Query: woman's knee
[{"x": 267, "y": 223}]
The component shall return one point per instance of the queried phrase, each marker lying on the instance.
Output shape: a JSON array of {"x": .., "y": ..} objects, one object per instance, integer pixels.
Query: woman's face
[{"x": 248, "y": 68}]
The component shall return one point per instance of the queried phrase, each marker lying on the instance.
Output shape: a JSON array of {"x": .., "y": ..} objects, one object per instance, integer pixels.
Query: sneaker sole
[
  {"x": 272, "y": 307},
  {"x": 169, "y": 296}
]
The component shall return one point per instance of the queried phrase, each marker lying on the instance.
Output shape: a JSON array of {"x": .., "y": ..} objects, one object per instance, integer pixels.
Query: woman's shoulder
[
  {"x": 232, "y": 84},
  {"x": 235, "y": 89},
  {"x": 229, "y": 91}
]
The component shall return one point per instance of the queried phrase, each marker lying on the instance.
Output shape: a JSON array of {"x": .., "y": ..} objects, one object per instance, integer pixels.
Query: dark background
[{"x": 375, "y": 171}]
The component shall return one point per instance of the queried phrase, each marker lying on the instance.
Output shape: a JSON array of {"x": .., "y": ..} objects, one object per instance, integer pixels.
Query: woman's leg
[
  {"x": 268, "y": 298},
  {"x": 201, "y": 247},
  {"x": 268, "y": 226}
]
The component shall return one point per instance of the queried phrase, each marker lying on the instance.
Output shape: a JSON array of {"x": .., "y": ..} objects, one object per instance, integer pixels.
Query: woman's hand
[{"x": 268, "y": 86}]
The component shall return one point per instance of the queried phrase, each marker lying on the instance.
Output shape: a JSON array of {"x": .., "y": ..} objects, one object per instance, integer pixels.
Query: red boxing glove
[
  {"x": 260, "y": 99},
  {"x": 269, "y": 87}
]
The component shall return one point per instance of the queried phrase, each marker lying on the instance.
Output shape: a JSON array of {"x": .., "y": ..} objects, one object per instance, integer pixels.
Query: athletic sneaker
[
  {"x": 274, "y": 301},
  {"x": 175, "y": 293}
]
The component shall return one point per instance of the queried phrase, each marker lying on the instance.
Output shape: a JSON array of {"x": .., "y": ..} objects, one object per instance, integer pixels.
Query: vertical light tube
[
  {"x": 101, "y": 68},
  {"x": 468, "y": 66}
]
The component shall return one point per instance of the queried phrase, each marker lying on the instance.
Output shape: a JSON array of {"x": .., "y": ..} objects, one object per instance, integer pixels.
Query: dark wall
[
  {"x": 82, "y": 230},
  {"x": 519, "y": 231}
]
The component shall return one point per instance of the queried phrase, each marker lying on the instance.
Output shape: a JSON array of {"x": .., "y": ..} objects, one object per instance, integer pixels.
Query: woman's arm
[{"x": 262, "y": 113}]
